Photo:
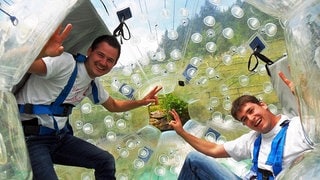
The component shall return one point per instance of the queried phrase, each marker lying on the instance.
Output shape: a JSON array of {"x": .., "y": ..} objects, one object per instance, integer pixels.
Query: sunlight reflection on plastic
[
  {"x": 211, "y": 137},
  {"x": 184, "y": 22},
  {"x": 111, "y": 136},
  {"x": 217, "y": 116},
  {"x": 228, "y": 33},
  {"x": 210, "y": 33},
  {"x": 171, "y": 66},
  {"x": 195, "y": 61},
  {"x": 160, "y": 170},
  {"x": 152, "y": 55},
  {"x": 143, "y": 152},
  {"x": 196, "y": 37},
  {"x": 270, "y": 29},
  {"x": 243, "y": 80},
  {"x": 126, "y": 90},
  {"x": 211, "y": 47},
  {"x": 237, "y": 11},
  {"x": 262, "y": 70},
  {"x": 221, "y": 140},
  {"x": 214, "y": 101},
  {"x": 192, "y": 72},
  {"x": 26, "y": 27},
  {"x": 253, "y": 23},
  {"x": 138, "y": 163},
  {"x": 267, "y": 87},
  {"x": 131, "y": 144},
  {"x": 108, "y": 121},
  {"x": 121, "y": 124},
  {"x": 135, "y": 40},
  {"x": 210, "y": 72},
  {"x": 127, "y": 115},
  {"x": 176, "y": 54},
  {"x": 156, "y": 69},
  {"x": 127, "y": 71},
  {"x": 227, "y": 105},
  {"x": 184, "y": 12},
  {"x": 87, "y": 128},
  {"x": 172, "y": 34},
  {"x": 273, "y": 108},
  {"x": 86, "y": 176},
  {"x": 161, "y": 56},
  {"x": 209, "y": 21},
  {"x": 122, "y": 176},
  {"x": 124, "y": 153},
  {"x": 136, "y": 79},
  {"x": 224, "y": 89},
  {"x": 241, "y": 50},
  {"x": 227, "y": 59},
  {"x": 228, "y": 119},
  {"x": 174, "y": 170},
  {"x": 214, "y": 2},
  {"x": 165, "y": 13},
  {"x": 163, "y": 159},
  {"x": 86, "y": 108},
  {"x": 79, "y": 124}
]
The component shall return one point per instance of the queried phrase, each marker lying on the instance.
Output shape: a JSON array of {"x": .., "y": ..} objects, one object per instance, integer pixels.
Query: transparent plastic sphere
[
  {"x": 211, "y": 47},
  {"x": 171, "y": 67},
  {"x": 161, "y": 56},
  {"x": 237, "y": 11},
  {"x": 156, "y": 69},
  {"x": 136, "y": 79},
  {"x": 210, "y": 33},
  {"x": 224, "y": 89},
  {"x": 165, "y": 13},
  {"x": 243, "y": 80},
  {"x": 173, "y": 34},
  {"x": 138, "y": 163},
  {"x": 121, "y": 124},
  {"x": 210, "y": 72},
  {"x": 209, "y": 21},
  {"x": 86, "y": 108},
  {"x": 87, "y": 128},
  {"x": 270, "y": 29},
  {"x": 131, "y": 144},
  {"x": 184, "y": 12},
  {"x": 227, "y": 104},
  {"x": 227, "y": 59},
  {"x": 163, "y": 159},
  {"x": 267, "y": 87},
  {"x": 273, "y": 108},
  {"x": 214, "y": 102},
  {"x": 79, "y": 124},
  {"x": 176, "y": 54},
  {"x": 109, "y": 121},
  {"x": 211, "y": 137},
  {"x": 196, "y": 37},
  {"x": 111, "y": 136},
  {"x": 124, "y": 153},
  {"x": 196, "y": 61},
  {"x": 217, "y": 116},
  {"x": 160, "y": 170},
  {"x": 228, "y": 33},
  {"x": 253, "y": 23}
]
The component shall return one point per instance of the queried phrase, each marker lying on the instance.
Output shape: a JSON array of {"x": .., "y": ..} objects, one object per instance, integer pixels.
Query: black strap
[
  {"x": 119, "y": 31},
  {"x": 257, "y": 55}
]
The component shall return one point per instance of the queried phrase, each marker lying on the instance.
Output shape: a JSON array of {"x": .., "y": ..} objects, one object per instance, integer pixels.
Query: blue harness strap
[
  {"x": 275, "y": 156},
  {"x": 57, "y": 108}
]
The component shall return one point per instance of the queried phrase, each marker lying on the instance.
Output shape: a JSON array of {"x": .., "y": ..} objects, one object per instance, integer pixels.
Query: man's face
[
  {"x": 256, "y": 116},
  {"x": 101, "y": 60}
]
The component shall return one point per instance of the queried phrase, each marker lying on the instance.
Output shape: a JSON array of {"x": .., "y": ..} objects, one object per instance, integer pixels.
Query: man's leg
[
  {"x": 74, "y": 151},
  {"x": 40, "y": 158},
  {"x": 199, "y": 166}
]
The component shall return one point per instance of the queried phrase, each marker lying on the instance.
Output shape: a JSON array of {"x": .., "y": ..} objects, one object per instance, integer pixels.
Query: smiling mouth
[{"x": 257, "y": 122}]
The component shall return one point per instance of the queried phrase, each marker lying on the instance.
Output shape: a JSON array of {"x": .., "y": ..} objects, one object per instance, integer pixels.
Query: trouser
[
  {"x": 66, "y": 149},
  {"x": 198, "y": 166}
]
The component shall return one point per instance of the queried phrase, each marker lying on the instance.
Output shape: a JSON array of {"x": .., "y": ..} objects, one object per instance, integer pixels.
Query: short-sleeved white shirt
[
  {"x": 45, "y": 89},
  {"x": 296, "y": 143}
]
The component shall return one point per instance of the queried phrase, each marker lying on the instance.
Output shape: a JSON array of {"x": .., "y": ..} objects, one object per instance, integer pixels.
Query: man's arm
[
  {"x": 115, "y": 105},
  {"x": 201, "y": 145},
  {"x": 52, "y": 48}
]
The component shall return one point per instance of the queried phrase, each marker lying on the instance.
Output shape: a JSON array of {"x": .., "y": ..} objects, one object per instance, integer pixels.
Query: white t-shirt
[
  {"x": 296, "y": 143},
  {"x": 45, "y": 89}
]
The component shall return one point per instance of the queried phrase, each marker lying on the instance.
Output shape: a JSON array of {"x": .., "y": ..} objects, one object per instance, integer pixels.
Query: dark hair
[
  {"x": 111, "y": 40},
  {"x": 240, "y": 101}
]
